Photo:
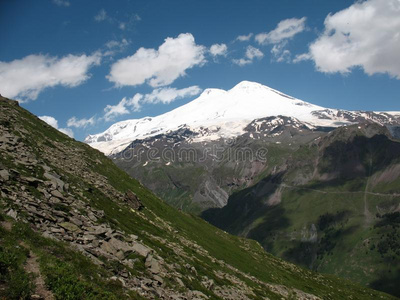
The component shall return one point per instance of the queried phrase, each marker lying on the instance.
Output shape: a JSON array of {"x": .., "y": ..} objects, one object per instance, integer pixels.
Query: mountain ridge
[{"x": 227, "y": 113}]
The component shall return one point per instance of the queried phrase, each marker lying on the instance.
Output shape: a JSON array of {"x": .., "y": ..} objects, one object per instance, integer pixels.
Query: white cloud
[
  {"x": 366, "y": 34},
  {"x": 125, "y": 106},
  {"x": 302, "y": 57},
  {"x": 251, "y": 54},
  {"x": 280, "y": 54},
  {"x": 158, "y": 67},
  {"x": 62, "y": 3},
  {"x": 101, "y": 16},
  {"x": 161, "y": 95},
  {"x": 67, "y": 131},
  {"x": 244, "y": 38},
  {"x": 80, "y": 123},
  {"x": 50, "y": 120},
  {"x": 26, "y": 78},
  {"x": 285, "y": 29},
  {"x": 168, "y": 95},
  {"x": 279, "y": 37},
  {"x": 114, "y": 47},
  {"x": 218, "y": 49},
  {"x": 112, "y": 111},
  {"x": 54, "y": 123},
  {"x": 134, "y": 102}
]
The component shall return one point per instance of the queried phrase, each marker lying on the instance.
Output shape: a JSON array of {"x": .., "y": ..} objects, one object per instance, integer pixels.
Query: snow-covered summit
[{"x": 225, "y": 113}]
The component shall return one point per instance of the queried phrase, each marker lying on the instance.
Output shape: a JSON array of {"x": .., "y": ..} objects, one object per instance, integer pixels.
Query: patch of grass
[
  {"x": 65, "y": 284},
  {"x": 68, "y": 274},
  {"x": 18, "y": 284}
]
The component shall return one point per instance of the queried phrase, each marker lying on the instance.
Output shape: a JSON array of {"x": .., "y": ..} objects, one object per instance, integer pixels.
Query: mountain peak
[
  {"x": 245, "y": 84},
  {"x": 229, "y": 111},
  {"x": 212, "y": 92}
]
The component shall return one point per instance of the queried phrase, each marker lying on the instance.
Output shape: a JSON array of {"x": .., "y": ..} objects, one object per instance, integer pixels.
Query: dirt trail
[{"x": 32, "y": 266}]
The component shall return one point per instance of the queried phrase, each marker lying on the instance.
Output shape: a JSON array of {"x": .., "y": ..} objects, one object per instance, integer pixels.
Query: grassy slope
[
  {"x": 69, "y": 274},
  {"x": 348, "y": 245},
  {"x": 246, "y": 255}
]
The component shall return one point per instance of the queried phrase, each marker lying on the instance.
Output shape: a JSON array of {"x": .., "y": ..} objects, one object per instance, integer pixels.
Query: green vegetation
[
  {"x": 15, "y": 283},
  {"x": 68, "y": 274},
  {"x": 343, "y": 225}
]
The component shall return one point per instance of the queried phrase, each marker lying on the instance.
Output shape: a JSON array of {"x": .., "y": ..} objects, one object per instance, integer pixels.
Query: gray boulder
[{"x": 4, "y": 175}]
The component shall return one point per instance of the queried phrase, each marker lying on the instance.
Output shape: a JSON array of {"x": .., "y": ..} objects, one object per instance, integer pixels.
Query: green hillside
[
  {"x": 344, "y": 220},
  {"x": 69, "y": 229}
]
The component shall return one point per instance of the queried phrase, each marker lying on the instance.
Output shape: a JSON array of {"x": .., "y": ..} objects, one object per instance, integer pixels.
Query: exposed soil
[{"x": 32, "y": 266}]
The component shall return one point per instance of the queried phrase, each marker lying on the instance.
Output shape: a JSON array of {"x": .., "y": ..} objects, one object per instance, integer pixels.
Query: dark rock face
[
  {"x": 133, "y": 201},
  {"x": 395, "y": 131}
]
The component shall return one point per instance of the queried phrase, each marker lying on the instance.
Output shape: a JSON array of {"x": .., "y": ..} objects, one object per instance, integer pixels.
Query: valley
[
  {"x": 337, "y": 165},
  {"x": 96, "y": 233}
]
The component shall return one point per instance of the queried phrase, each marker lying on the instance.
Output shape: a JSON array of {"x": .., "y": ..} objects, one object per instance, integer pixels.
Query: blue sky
[{"x": 87, "y": 64}]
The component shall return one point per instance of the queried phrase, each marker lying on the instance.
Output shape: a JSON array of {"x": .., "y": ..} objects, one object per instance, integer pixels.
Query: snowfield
[{"x": 219, "y": 114}]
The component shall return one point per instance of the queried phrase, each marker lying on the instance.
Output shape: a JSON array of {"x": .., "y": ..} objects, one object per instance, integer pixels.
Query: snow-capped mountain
[{"x": 226, "y": 114}]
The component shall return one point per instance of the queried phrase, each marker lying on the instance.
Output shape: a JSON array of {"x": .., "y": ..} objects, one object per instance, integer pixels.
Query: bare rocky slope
[{"x": 86, "y": 230}]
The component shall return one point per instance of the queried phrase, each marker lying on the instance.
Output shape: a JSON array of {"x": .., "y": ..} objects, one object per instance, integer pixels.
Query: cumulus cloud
[
  {"x": 160, "y": 95},
  {"x": 112, "y": 111},
  {"x": 251, "y": 54},
  {"x": 158, "y": 67},
  {"x": 62, "y": 3},
  {"x": 125, "y": 106},
  {"x": 218, "y": 49},
  {"x": 366, "y": 35},
  {"x": 80, "y": 123},
  {"x": 67, "y": 131},
  {"x": 24, "y": 79},
  {"x": 244, "y": 38},
  {"x": 286, "y": 29},
  {"x": 54, "y": 123},
  {"x": 50, "y": 120}
]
